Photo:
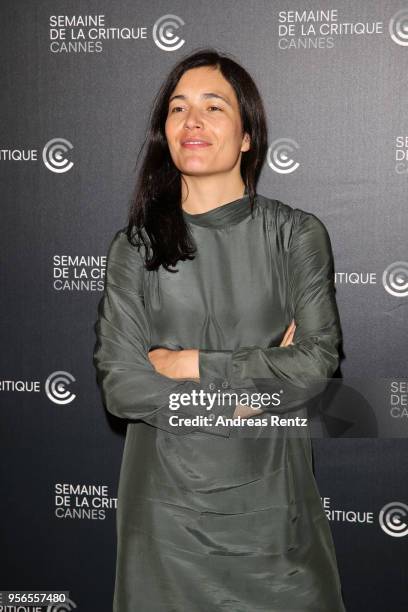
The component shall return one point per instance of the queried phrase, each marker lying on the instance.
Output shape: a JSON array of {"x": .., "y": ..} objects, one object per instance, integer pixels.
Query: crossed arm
[
  {"x": 136, "y": 382},
  {"x": 184, "y": 363}
]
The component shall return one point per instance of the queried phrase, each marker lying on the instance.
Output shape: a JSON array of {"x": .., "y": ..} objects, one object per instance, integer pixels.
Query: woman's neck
[{"x": 203, "y": 195}]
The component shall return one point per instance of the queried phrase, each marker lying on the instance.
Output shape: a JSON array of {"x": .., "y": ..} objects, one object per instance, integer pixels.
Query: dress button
[
  {"x": 211, "y": 386},
  {"x": 211, "y": 417},
  {"x": 225, "y": 384}
]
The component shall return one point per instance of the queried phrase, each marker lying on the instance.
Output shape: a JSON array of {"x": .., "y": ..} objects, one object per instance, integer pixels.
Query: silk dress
[{"x": 213, "y": 516}]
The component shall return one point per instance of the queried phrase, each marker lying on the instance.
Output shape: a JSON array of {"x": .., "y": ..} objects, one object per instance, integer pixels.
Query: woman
[{"x": 200, "y": 288}]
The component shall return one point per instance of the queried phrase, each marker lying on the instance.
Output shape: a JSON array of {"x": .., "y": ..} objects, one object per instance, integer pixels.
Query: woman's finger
[{"x": 287, "y": 338}]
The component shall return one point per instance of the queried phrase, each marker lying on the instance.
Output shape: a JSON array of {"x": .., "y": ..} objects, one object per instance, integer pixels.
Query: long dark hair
[{"x": 155, "y": 217}]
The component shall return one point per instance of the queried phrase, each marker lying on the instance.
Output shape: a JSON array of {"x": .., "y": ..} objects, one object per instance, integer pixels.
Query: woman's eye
[{"x": 175, "y": 109}]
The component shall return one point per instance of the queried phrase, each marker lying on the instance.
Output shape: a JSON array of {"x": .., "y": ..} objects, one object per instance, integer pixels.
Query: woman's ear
[{"x": 246, "y": 142}]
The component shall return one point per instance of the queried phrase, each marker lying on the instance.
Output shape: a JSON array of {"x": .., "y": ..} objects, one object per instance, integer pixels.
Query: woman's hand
[
  {"x": 289, "y": 333},
  {"x": 175, "y": 364},
  {"x": 244, "y": 411},
  {"x": 247, "y": 411}
]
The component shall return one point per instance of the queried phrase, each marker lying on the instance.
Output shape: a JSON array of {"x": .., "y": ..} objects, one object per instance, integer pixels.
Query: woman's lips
[{"x": 195, "y": 145}]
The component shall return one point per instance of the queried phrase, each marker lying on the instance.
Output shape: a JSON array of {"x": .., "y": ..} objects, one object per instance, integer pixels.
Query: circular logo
[
  {"x": 393, "y": 519},
  {"x": 64, "y": 606},
  {"x": 395, "y": 278},
  {"x": 53, "y": 155},
  {"x": 280, "y": 155},
  {"x": 55, "y": 387},
  {"x": 163, "y": 33},
  {"x": 398, "y": 27}
]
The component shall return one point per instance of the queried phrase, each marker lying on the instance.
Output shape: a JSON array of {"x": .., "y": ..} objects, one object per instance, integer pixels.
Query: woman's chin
[{"x": 196, "y": 167}]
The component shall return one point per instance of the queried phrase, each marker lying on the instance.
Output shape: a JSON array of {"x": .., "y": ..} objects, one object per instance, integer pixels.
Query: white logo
[
  {"x": 55, "y": 387},
  {"x": 65, "y": 606},
  {"x": 398, "y": 27},
  {"x": 163, "y": 32},
  {"x": 395, "y": 278},
  {"x": 279, "y": 155},
  {"x": 54, "y": 155},
  {"x": 392, "y": 520}
]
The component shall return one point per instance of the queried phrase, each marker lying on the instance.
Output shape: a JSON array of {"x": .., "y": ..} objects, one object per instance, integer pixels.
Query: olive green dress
[{"x": 214, "y": 516}]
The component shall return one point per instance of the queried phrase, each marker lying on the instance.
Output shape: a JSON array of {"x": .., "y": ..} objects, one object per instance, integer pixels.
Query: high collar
[{"x": 226, "y": 214}]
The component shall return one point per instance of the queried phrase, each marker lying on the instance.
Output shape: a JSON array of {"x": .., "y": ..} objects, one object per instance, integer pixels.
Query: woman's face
[{"x": 204, "y": 108}]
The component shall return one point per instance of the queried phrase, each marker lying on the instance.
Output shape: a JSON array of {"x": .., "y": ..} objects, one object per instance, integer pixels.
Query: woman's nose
[{"x": 193, "y": 118}]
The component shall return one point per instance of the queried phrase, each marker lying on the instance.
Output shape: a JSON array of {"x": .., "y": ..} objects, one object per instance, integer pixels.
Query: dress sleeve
[
  {"x": 131, "y": 387},
  {"x": 301, "y": 370}
]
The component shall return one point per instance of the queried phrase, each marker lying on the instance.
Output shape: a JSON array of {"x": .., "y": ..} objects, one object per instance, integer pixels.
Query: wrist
[{"x": 189, "y": 362}]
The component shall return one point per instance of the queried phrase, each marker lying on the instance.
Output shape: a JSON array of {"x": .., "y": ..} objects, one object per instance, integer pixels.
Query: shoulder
[
  {"x": 120, "y": 246},
  {"x": 124, "y": 264},
  {"x": 290, "y": 223}
]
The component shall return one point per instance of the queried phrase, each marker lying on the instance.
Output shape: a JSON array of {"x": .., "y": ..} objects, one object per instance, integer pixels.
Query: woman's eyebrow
[{"x": 204, "y": 95}]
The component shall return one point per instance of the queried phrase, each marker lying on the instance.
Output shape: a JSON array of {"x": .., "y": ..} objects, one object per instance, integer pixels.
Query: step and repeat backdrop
[{"x": 78, "y": 81}]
